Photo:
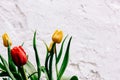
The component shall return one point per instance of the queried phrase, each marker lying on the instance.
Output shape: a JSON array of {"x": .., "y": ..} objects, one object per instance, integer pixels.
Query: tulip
[
  {"x": 6, "y": 40},
  {"x": 50, "y": 46},
  {"x": 57, "y": 36},
  {"x": 19, "y": 56}
]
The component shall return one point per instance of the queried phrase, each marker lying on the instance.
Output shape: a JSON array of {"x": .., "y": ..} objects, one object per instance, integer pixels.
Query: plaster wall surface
[{"x": 93, "y": 24}]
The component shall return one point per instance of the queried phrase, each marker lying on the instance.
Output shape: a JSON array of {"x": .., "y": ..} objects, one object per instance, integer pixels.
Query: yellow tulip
[
  {"x": 6, "y": 39},
  {"x": 57, "y": 36},
  {"x": 50, "y": 46}
]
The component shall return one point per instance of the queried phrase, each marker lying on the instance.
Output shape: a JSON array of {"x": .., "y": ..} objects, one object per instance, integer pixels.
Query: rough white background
[{"x": 94, "y": 25}]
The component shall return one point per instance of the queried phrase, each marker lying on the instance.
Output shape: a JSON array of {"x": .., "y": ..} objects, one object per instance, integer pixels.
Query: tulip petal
[
  {"x": 6, "y": 39},
  {"x": 19, "y": 56},
  {"x": 57, "y": 36}
]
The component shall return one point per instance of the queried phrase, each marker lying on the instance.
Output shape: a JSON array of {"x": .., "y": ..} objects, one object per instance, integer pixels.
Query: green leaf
[
  {"x": 65, "y": 61},
  {"x": 16, "y": 75},
  {"x": 3, "y": 74},
  {"x": 22, "y": 44},
  {"x": 5, "y": 78},
  {"x": 30, "y": 69},
  {"x": 61, "y": 50},
  {"x": 7, "y": 68},
  {"x": 37, "y": 56},
  {"x": 2, "y": 66},
  {"x": 74, "y": 78},
  {"x": 10, "y": 61},
  {"x": 69, "y": 78},
  {"x": 43, "y": 69},
  {"x": 46, "y": 59},
  {"x": 45, "y": 45}
]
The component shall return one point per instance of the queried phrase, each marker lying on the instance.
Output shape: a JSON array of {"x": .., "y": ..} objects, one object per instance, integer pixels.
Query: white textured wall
[{"x": 94, "y": 25}]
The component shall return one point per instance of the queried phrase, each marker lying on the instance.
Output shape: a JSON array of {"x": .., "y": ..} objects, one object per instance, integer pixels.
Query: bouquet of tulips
[{"x": 18, "y": 67}]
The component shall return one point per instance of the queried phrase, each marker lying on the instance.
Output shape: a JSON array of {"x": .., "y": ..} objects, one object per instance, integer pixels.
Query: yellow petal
[
  {"x": 6, "y": 39},
  {"x": 57, "y": 36},
  {"x": 50, "y": 46}
]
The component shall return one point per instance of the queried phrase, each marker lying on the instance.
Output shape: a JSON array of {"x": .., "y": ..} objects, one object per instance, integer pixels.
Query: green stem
[
  {"x": 32, "y": 74},
  {"x": 56, "y": 61},
  {"x": 46, "y": 75},
  {"x": 50, "y": 66},
  {"x": 50, "y": 62},
  {"x": 10, "y": 61},
  {"x": 46, "y": 65},
  {"x": 56, "y": 69},
  {"x": 22, "y": 71}
]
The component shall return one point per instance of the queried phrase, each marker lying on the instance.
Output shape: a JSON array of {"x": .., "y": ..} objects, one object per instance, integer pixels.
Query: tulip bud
[
  {"x": 19, "y": 56},
  {"x": 57, "y": 36},
  {"x": 50, "y": 47},
  {"x": 6, "y": 40}
]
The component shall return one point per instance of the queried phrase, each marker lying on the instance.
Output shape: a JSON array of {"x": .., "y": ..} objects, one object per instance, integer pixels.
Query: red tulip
[{"x": 19, "y": 56}]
